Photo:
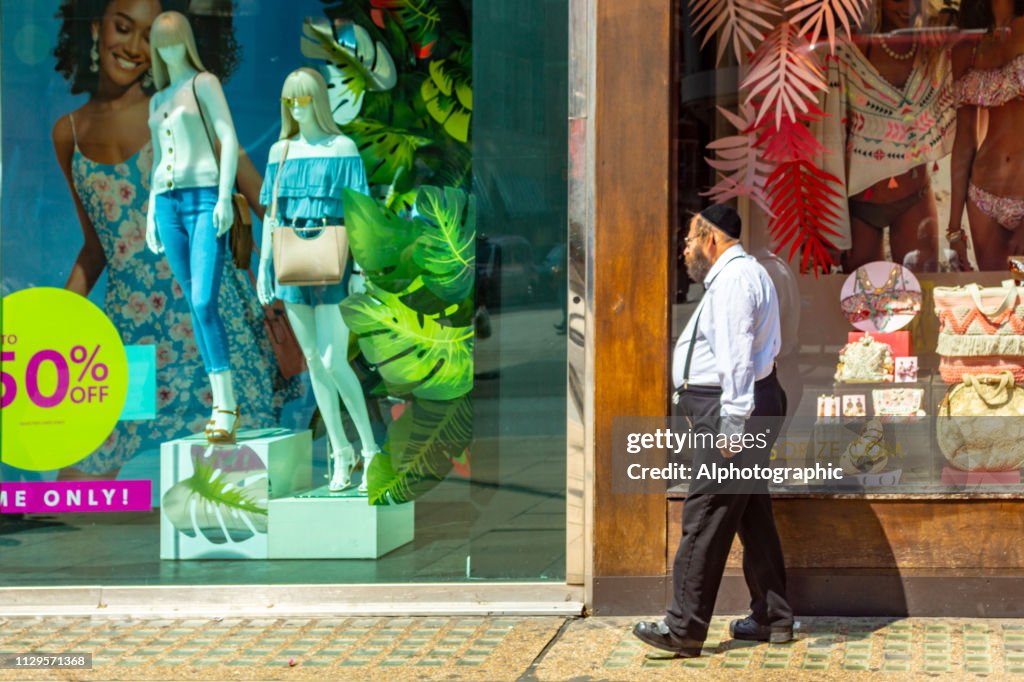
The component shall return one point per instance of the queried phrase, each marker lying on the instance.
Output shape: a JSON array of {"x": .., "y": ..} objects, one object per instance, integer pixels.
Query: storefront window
[
  {"x": 373, "y": 388},
  {"x": 875, "y": 170}
]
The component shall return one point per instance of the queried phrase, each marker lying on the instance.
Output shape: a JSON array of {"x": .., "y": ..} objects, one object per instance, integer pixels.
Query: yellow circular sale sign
[{"x": 65, "y": 378}]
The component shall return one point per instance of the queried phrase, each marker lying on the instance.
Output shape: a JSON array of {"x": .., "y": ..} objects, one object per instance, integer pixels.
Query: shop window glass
[
  {"x": 870, "y": 167},
  {"x": 431, "y": 378}
]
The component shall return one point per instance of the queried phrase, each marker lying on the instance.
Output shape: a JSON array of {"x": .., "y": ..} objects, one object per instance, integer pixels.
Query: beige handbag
[
  {"x": 306, "y": 256},
  {"x": 980, "y": 425}
]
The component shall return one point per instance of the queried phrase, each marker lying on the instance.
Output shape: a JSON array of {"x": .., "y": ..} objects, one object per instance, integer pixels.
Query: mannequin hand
[
  {"x": 356, "y": 284},
  {"x": 265, "y": 283},
  {"x": 152, "y": 238},
  {"x": 223, "y": 216}
]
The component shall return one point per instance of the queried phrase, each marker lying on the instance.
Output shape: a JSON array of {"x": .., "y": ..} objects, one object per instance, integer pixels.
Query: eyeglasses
[{"x": 300, "y": 101}]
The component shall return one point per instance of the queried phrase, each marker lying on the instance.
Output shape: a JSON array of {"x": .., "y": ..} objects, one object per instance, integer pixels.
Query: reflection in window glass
[{"x": 399, "y": 418}]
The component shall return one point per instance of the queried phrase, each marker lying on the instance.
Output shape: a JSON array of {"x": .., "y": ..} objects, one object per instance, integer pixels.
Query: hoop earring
[
  {"x": 94, "y": 54},
  {"x": 147, "y": 79}
]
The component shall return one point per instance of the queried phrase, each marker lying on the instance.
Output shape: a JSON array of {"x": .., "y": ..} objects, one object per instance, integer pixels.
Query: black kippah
[{"x": 725, "y": 218}]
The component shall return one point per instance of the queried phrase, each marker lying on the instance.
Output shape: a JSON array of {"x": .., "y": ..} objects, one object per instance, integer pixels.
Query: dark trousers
[{"x": 711, "y": 519}]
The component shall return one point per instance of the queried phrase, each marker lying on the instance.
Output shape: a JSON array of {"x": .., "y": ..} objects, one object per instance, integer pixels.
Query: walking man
[{"x": 724, "y": 372}]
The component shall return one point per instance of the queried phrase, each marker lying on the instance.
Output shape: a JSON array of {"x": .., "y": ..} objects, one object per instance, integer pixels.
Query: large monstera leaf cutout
[
  {"x": 446, "y": 250},
  {"x": 448, "y": 94},
  {"x": 419, "y": 450},
  {"x": 356, "y": 65},
  {"x": 385, "y": 150},
  {"x": 223, "y": 501},
  {"x": 381, "y": 241},
  {"x": 415, "y": 354}
]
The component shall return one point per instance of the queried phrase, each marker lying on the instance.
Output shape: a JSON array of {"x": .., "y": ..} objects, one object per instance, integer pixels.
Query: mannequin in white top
[
  {"x": 190, "y": 208},
  {"x": 319, "y": 164}
]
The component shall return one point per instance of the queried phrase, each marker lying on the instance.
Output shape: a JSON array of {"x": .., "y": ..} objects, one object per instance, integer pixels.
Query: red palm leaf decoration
[
  {"x": 814, "y": 15},
  {"x": 784, "y": 75},
  {"x": 803, "y": 202},
  {"x": 740, "y": 22},
  {"x": 743, "y": 171},
  {"x": 789, "y": 140}
]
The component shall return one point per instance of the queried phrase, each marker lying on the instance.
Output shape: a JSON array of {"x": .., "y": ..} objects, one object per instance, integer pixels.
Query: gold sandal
[
  {"x": 222, "y": 436},
  {"x": 209, "y": 422}
]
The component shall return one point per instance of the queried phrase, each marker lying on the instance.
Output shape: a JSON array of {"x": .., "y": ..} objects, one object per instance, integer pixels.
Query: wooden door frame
[{"x": 628, "y": 273}]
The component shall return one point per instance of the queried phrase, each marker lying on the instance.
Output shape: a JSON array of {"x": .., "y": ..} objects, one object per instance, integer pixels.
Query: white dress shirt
[{"x": 738, "y": 335}]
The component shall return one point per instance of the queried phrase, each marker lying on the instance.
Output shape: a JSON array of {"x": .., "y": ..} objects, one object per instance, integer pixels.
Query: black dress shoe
[
  {"x": 750, "y": 630},
  {"x": 659, "y": 636}
]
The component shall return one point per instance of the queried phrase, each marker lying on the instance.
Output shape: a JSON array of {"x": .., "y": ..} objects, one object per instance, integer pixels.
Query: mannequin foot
[
  {"x": 343, "y": 462},
  {"x": 367, "y": 458},
  {"x": 210, "y": 422},
  {"x": 224, "y": 427}
]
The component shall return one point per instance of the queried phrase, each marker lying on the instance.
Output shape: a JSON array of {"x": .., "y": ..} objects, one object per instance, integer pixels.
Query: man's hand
[{"x": 727, "y": 453}]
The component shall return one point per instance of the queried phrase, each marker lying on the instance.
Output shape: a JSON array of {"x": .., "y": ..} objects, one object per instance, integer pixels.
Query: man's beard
[{"x": 697, "y": 265}]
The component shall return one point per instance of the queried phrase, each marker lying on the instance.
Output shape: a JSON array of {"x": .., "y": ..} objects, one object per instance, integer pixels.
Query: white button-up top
[{"x": 186, "y": 157}]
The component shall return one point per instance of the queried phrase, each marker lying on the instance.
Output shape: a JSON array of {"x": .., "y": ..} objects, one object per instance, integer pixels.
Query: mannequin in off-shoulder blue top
[{"x": 319, "y": 165}]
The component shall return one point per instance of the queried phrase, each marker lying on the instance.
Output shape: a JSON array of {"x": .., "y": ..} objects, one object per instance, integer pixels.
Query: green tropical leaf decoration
[
  {"x": 419, "y": 449},
  {"x": 414, "y": 354},
  {"x": 446, "y": 249},
  {"x": 381, "y": 241},
  {"x": 223, "y": 506},
  {"x": 448, "y": 94},
  {"x": 384, "y": 149},
  {"x": 423, "y": 301},
  {"x": 418, "y": 18}
]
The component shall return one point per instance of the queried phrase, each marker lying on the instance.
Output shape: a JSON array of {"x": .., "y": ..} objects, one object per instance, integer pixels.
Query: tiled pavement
[{"x": 498, "y": 648}]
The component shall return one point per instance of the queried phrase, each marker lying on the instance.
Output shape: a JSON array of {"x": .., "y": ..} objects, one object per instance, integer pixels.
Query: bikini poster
[
  {"x": 876, "y": 131},
  {"x": 76, "y": 151}
]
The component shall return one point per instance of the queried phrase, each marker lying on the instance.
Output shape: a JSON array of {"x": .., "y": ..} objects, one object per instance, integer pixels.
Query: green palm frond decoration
[{"x": 419, "y": 450}]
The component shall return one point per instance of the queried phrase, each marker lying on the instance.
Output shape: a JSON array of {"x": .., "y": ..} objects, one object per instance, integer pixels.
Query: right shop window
[{"x": 876, "y": 147}]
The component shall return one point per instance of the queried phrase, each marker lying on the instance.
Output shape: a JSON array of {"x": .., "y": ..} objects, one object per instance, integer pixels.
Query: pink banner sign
[{"x": 47, "y": 497}]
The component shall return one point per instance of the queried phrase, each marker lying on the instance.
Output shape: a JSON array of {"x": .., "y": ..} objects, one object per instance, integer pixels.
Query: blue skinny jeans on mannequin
[{"x": 184, "y": 221}]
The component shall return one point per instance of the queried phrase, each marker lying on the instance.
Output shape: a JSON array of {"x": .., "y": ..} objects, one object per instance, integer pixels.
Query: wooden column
[{"x": 631, "y": 307}]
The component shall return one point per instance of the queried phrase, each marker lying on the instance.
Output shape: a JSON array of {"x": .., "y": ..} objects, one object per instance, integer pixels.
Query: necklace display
[
  {"x": 880, "y": 304},
  {"x": 896, "y": 55}
]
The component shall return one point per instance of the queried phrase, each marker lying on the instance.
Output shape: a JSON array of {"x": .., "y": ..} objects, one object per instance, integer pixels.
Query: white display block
[
  {"x": 324, "y": 525},
  {"x": 214, "y": 498}
]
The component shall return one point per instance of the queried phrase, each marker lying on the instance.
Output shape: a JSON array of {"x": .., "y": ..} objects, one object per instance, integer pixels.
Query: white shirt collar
[{"x": 727, "y": 255}]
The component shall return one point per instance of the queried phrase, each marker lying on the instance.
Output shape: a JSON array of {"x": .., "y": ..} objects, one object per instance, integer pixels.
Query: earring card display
[{"x": 905, "y": 369}]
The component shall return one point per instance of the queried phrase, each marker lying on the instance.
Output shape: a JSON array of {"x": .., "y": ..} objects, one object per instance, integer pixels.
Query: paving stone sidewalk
[{"x": 505, "y": 648}]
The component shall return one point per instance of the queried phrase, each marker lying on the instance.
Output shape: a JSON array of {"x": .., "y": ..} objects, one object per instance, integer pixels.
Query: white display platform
[
  {"x": 325, "y": 525},
  {"x": 214, "y": 498}
]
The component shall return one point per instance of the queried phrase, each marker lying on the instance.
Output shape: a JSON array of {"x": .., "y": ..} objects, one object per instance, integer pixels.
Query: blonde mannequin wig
[
  {"x": 306, "y": 81},
  {"x": 171, "y": 28}
]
